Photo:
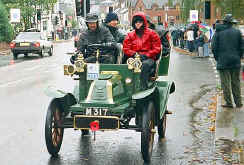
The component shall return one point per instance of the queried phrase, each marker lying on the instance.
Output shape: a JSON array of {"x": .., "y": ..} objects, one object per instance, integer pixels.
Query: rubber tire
[
  {"x": 15, "y": 55},
  {"x": 41, "y": 54},
  {"x": 147, "y": 137},
  {"x": 162, "y": 127},
  {"x": 53, "y": 147},
  {"x": 50, "y": 52},
  {"x": 85, "y": 132}
]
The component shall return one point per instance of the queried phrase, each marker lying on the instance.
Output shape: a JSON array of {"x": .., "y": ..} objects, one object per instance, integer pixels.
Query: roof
[{"x": 149, "y": 3}]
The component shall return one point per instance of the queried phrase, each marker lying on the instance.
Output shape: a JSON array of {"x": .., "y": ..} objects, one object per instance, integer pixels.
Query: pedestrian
[
  {"x": 190, "y": 39},
  {"x": 145, "y": 42},
  {"x": 227, "y": 50},
  {"x": 206, "y": 45},
  {"x": 200, "y": 43}
]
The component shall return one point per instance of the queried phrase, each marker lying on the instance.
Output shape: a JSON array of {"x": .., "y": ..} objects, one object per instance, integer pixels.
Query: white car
[{"x": 31, "y": 42}]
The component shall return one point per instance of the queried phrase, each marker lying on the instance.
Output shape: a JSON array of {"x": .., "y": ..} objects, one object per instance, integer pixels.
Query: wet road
[{"x": 23, "y": 111}]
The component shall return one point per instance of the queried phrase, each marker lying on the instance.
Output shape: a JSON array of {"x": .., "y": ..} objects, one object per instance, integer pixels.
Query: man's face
[
  {"x": 113, "y": 23},
  {"x": 138, "y": 24},
  {"x": 92, "y": 26}
]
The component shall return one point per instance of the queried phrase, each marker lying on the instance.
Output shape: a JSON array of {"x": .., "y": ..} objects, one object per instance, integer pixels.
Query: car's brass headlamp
[
  {"x": 79, "y": 66},
  {"x": 135, "y": 63}
]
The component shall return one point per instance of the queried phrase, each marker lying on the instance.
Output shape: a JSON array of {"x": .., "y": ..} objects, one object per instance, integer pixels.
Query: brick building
[{"x": 158, "y": 10}]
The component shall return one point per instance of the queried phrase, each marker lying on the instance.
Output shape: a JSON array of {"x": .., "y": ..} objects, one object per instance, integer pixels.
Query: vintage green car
[{"x": 107, "y": 98}]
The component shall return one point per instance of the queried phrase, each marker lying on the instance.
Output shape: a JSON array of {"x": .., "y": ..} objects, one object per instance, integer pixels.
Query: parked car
[{"x": 31, "y": 42}]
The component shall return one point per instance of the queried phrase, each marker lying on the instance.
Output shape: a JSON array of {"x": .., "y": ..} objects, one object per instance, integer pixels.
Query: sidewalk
[
  {"x": 5, "y": 52},
  {"x": 229, "y": 129}
]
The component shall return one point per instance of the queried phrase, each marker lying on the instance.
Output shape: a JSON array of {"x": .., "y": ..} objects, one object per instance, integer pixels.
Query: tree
[
  {"x": 234, "y": 7},
  {"x": 6, "y": 30},
  {"x": 30, "y": 8}
]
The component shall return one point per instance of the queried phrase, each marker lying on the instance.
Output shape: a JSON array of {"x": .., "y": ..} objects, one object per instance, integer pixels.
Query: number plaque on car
[
  {"x": 92, "y": 71},
  {"x": 96, "y": 111}
]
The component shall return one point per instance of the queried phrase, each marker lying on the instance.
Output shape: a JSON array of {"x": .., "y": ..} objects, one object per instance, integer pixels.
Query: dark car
[{"x": 31, "y": 42}]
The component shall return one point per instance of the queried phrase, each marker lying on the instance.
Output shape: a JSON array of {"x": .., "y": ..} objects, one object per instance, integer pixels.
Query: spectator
[
  {"x": 190, "y": 39},
  {"x": 227, "y": 50}
]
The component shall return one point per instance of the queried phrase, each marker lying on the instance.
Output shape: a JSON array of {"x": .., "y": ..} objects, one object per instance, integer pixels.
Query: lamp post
[
  {"x": 84, "y": 8},
  {"x": 166, "y": 8}
]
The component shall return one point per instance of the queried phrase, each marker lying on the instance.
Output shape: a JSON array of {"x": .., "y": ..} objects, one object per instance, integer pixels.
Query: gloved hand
[
  {"x": 72, "y": 59},
  {"x": 143, "y": 57}
]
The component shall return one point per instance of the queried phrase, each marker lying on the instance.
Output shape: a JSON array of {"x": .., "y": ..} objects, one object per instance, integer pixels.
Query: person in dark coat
[
  {"x": 145, "y": 42},
  {"x": 227, "y": 50},
  {"x": 95, "y": 34},
  {"x": 111, "y": 23}
]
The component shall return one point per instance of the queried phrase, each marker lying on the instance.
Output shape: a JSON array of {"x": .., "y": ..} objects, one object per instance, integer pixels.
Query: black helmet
[{"x": 91, "y": 17}]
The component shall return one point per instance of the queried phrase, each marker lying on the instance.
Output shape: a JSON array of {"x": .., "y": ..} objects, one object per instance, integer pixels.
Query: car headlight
[{"x": 128, "y": 80}]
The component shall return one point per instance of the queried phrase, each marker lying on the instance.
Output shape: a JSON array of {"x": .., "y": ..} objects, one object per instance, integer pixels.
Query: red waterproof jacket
[{"x": 149, "y": 44}]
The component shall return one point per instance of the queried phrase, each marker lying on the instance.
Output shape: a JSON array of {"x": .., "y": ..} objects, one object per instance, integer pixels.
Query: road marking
[
  {"x": 33, "y": 68},
  {"x": 8, "y": 84}
]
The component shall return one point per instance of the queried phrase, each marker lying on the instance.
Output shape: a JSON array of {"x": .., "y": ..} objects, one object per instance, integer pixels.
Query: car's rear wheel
[
  {"x": 15, "y": 55},
  {"x": 53, "y": 130},
  {"x": 50, "y": 52},
  {"x": 162, "y": 127},
  {"x": 85, "y": 132}
]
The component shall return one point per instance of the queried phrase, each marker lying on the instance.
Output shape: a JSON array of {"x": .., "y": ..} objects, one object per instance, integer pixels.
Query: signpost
[
  {"x": 15, "y": 15},
  {"x": 193, "y": 15}
]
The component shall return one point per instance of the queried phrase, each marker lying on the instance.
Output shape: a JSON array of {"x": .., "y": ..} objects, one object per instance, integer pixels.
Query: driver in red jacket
[{"x": 146, "y": 43}]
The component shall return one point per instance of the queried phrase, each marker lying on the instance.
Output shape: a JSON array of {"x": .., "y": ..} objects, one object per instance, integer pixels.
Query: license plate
[
  {"x": 92, "y": 71},
  {"x": 24, "y": 44},
  {"x": 96, "y": 111}
]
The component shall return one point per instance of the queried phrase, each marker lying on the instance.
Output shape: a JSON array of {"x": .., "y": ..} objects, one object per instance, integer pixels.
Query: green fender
[
  {"x": 143, "y": 94},
  {"x": 51, "y": 91},
  {"x": 65, "y": 99},
  {"x": 160, "y": 93},
  {"x": 164, "y": 89}
]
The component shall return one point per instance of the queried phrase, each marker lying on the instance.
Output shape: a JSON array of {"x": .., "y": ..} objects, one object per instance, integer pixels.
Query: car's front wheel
[
  {"x": 53, "y": 130},
  {"x": 50, "y": 52}
]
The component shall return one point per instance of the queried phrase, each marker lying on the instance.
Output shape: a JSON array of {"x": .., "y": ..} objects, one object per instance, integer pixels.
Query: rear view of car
[{"x": 31, "y": 42}]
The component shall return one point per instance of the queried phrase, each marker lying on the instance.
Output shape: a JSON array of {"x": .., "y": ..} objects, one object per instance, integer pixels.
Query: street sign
[
  {"x": 193, "y": 15},
  {"x": 14, "y": 15}
]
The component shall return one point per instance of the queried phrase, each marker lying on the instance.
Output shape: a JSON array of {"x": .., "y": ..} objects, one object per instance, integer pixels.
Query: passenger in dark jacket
[
  {"x": 95, "y": 35},
  {"x": 111, "y": 23},
  {"x": 227, "y": 50}
]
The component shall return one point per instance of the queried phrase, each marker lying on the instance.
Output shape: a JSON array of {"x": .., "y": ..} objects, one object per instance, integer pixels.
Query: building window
[
  {"x": 44, "y": 25},
  {"x": 159, "y": 18}
]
